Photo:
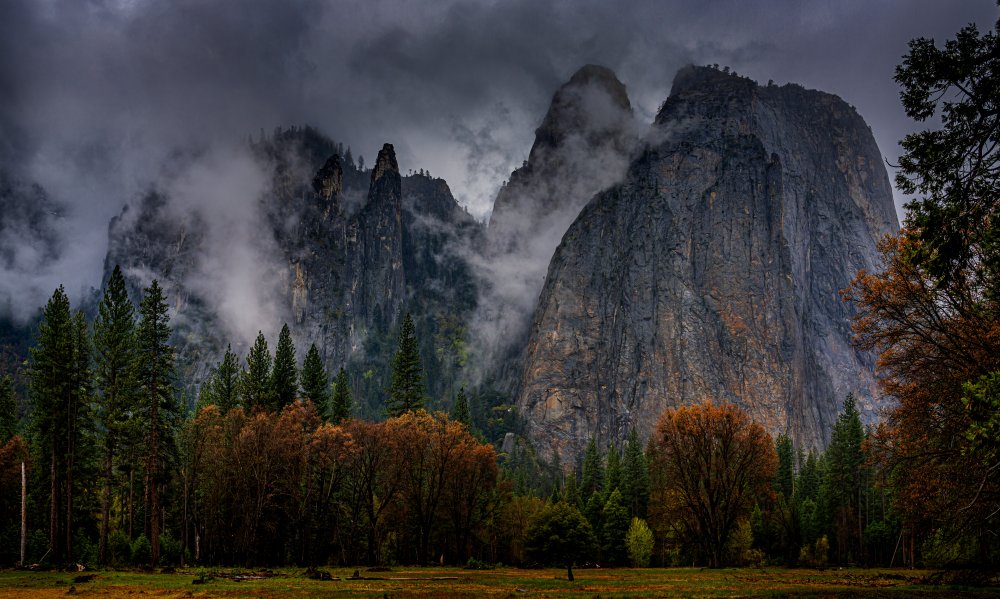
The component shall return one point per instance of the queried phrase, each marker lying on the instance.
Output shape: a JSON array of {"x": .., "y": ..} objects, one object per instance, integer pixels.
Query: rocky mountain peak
[
  {"x": 713, "y": 270},
  {"x": 385, "y": 163},
  {"x": 329, "y": 180},
  {"x": 582, "y": 146},
  {"x": 593, "y": 103}
]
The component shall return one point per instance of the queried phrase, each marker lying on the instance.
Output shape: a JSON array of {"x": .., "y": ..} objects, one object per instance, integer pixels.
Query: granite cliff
[
  {"x": 582, "y": 146},
  {"x": 340, "y": 253},
  {"x": 622, "y": 272},
  {"x": 712, "y": 271}
]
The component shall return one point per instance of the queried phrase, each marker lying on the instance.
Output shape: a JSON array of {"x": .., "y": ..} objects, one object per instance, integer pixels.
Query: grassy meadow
[{"x": 503, "y": 582}]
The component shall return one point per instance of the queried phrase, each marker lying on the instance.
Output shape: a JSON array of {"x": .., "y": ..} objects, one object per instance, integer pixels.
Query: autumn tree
[
  {"x": 932, "y": 313},
  {"x": 712, "y": 464},
  {"x": 373, "y": 483},
  {"x": 429, "y": 448},
  {"x": 471, "y": 495}
]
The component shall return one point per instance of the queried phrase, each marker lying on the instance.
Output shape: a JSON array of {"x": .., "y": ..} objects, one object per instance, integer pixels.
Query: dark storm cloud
[{"x": 95, "y": 96}]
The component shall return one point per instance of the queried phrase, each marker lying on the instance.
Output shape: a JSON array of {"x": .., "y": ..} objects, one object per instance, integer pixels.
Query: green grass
[{"x": 504, "y": 582}]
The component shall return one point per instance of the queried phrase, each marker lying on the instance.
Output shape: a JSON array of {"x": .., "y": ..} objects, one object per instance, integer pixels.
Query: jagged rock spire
[{"x": 329, "y": 180}]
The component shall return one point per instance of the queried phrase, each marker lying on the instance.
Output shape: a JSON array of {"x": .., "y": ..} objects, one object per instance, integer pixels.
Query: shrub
[
  {"x": 170, "y": 550},
  {"x": 815, "y": 556},
  {"x": 120, "y": 548},
  {"x": 639, "y": 540},
  {"x": 142, "y": 551}
]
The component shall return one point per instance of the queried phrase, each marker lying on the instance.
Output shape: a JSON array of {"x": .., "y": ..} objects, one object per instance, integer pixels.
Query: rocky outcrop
[
  {"x": 375, "y": 249},
  {"x": 713, "y": 270},
  {"x": 582, "y": 146},
  {"x": 342, "y": 270}
]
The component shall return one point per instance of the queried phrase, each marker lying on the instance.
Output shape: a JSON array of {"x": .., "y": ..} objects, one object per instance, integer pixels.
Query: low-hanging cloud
[{"x": 99, "y": 94}]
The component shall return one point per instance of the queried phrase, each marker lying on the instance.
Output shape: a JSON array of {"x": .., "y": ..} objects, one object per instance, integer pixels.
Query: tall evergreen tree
[
  {"x": 460, "y": 411},
  {"x": 614, "y": 524},
  {"x": 79, "y": 420},
  {"x": 58, "y": 393},
  {"x": 635, "y": 473},
  {"x": 406, "y": 394},
  {"x": 8, "y": 409},
  {"x": 222, "y": 389},
  {"x": 284, "y": 375},
  {"x": 343, "y": 402},
  {"x": 786, "y": 458},
  {"x": 114, "y": 357},
  {"x": 255, "y": 382},
  {"x": 315, "y": 382},
  {"x": 845, "y": 458},
  {"x": 615, "y": 472},
  {"x": 155, "y": 372},
  {"x": 592, "y": 478}
]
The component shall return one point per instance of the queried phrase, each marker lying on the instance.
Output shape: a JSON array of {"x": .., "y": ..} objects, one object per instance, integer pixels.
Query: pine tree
[
  {"x": 343, "y": 401},
  {"x": 592, "y": 479},
  {"x": 155, "y": 371},
  {"x": 284, "y": 375},
  {"x": 636, "y": 477},
  {"x": 786, "y": 458},
  {"x": 255, "y": 381},
  {"x": 406, "y": 394},
  {"x": 79, "y": 421},
  {"x": 460, "y": 411},
  {"x": 845, "y": 459},
  {"x": 222, "y": 389},
  {"x": 53, "y": 395},
  {"x": 315, "y": 382},
  {"x": 615, "y": 472},
  {"x": 114, "y": 354},
  {"x": 51, "y": 361},
  {"x": 8, "y": 409},
  {"x": 615, "y": 521}
]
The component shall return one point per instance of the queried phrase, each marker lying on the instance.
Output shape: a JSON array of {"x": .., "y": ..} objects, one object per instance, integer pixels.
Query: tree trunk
[
  {"x": 569, "y": 571},
  {"x": 102, "y": 552},
  {"x": 154, "y": 467},
  {"x": 70, "y": 466},
  {"x": 184, "y": 529},
  {"x": 131, "y": 504},
  {"x": 24, "y": 512},
  {"x": 53, "y": 508}
]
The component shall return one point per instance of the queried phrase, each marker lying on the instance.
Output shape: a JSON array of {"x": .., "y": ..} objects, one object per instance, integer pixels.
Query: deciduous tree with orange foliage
[
  {"x": 709, "y": 464},
  {"x": 931, "y": 339},
  {"x": 933, "y": 314}
]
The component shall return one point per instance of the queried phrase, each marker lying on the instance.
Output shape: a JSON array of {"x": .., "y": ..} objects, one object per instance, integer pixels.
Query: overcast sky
[{"x": 96, "y": 95}]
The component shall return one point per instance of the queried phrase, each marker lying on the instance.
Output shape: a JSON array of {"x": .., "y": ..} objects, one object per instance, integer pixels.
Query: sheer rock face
[
  {"x": 377, "y": 286},
  {"x": 335, "y": 238},
  {"x": 582, "y": 146},
  {"x": 712, "y": 271}
]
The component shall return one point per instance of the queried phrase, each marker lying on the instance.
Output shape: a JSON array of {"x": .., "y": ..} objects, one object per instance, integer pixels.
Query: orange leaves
[
  {"x": 931, "y": 335},
  {"x": 709, "y": 465}
]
